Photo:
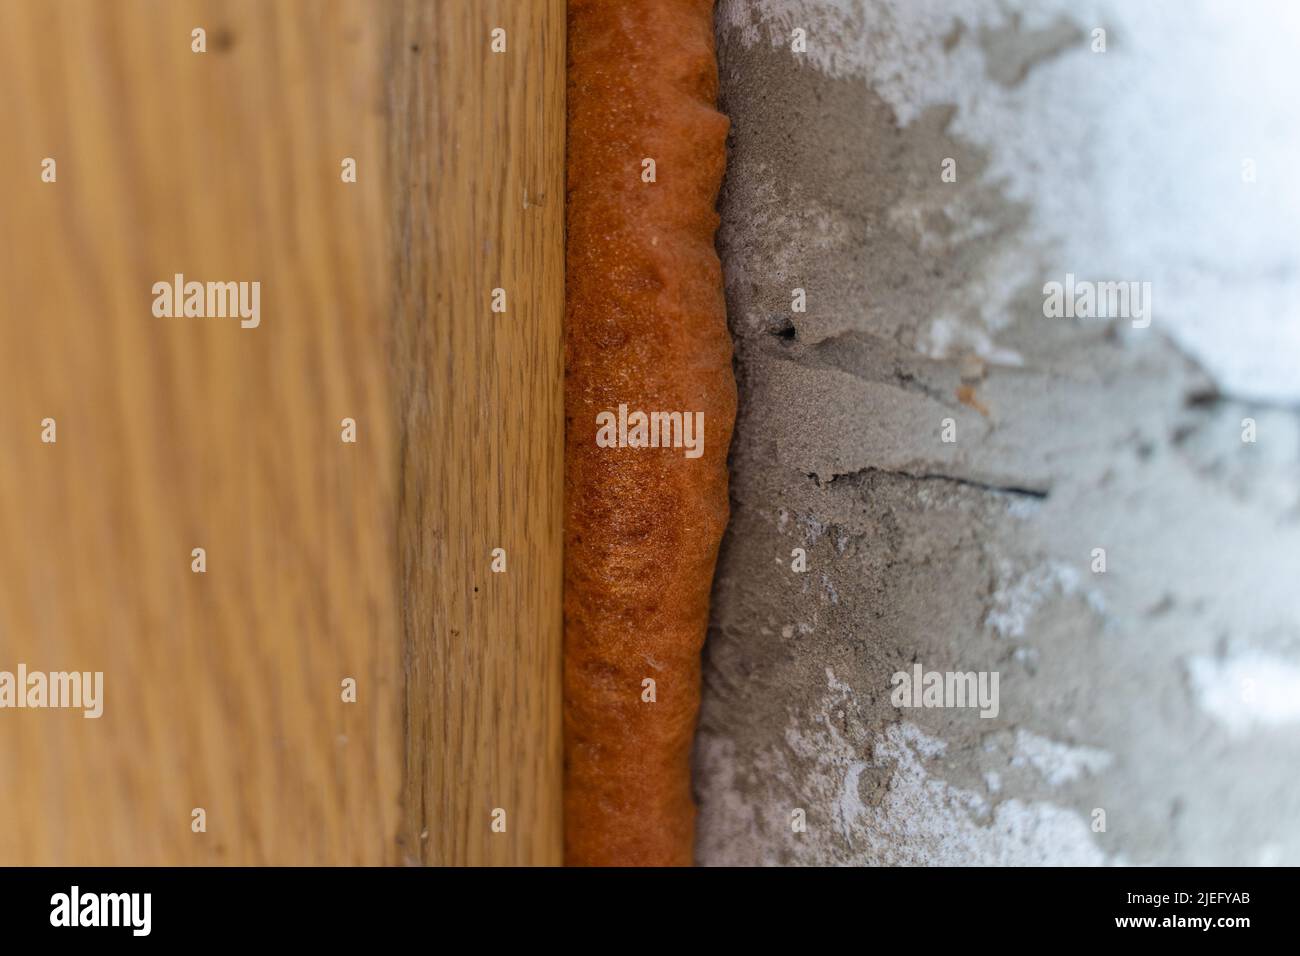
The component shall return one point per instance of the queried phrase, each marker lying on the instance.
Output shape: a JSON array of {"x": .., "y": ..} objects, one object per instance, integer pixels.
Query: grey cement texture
[{"x": 1143, "y": 712}]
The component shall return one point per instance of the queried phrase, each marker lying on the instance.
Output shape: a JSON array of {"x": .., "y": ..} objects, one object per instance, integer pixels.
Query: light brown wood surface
[
  {"x": 478, "y": 151},
  {"x": 325, "y": 560}
]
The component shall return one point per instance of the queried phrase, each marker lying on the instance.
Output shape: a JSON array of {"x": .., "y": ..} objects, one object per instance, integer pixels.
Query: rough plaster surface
[{"x": 1163, "y": 691}]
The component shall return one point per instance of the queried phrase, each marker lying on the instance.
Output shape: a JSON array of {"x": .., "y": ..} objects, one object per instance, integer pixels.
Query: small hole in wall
[{"x": 783, "y": 328}]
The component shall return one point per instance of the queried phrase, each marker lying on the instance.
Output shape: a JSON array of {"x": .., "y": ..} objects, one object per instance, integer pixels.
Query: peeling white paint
[
  {"x": 914, "y": 816},
  {"x": 1058, "y": 763},
  {"x": 1247, "y": 691},
  {"x": 1130, "y": 161}
]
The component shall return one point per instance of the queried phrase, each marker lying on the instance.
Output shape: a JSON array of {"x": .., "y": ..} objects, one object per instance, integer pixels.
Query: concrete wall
[{"x": 1164, "y": 691}]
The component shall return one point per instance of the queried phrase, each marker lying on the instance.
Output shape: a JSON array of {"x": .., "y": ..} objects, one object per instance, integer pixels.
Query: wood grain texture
[
  {"x": 325, "y": 560},
  {"x": 478, "y": 147}
]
